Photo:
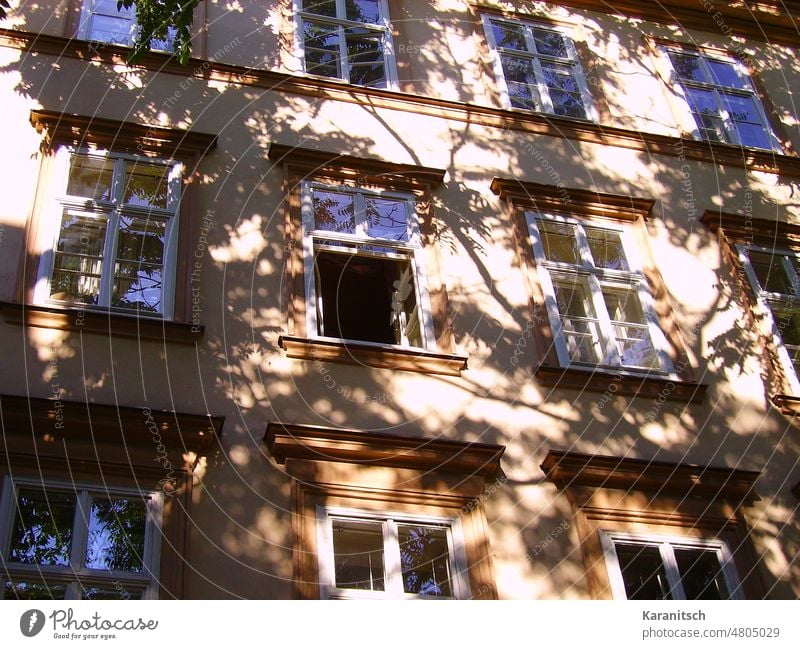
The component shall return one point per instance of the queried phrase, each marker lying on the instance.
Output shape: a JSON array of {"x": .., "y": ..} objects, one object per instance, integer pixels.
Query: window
[
  {"x": 537, "y": 68},
  {"x": 112, "y": 228},
  {"x": 363, "y": 272},
  {"x": 391, "y": 556},
  {"x": 346, "y": 40},
  {"x": 775, "y": 278},
  {"x": 643, "y": 567},
  {"x": 102, "y": 21},
  {"x": 78, "y": 542},
  {"x": 596, "y": 295},
  {"x": 721, "y": 98}
]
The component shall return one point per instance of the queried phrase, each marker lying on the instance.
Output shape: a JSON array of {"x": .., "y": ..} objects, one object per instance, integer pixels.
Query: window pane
[
  {"x": 358, "y": 555},
  {"x": 42, "y": 532},
  {"x": 771, "y": 273},
  {"x": 322, "y": 49},
  {"x": 387, "y": 218},
  {"x": 110, "y": 593},
  {"x": 630, "y": 328},
  {"x": 79, "y": 258},
  {"x": 90, "y": 176},
  {"x": 550, "y": 43},
  {"x": 110, "y": 29},
  {"x": 564, "y": 91},
  {"x": 334, "y": 211},
  {"x": 509, "y": 36},
  {"x": 521, "y": 82},
  {"x": 364, "y": 11},
  {"x": 146, "y": 184},
  {"x": 116, "y": 534},
  {"x": 725, "y": 75},
  {"x": 688, "y": 67},
  {"x": 706, "y": 114},
  {"x": 643, "y": 572},
  {"x": 138, "y": 280},
  {"x": 606, "y": 248},
  {"x": 320, "y": 7},
  {"x": 701, "y": 574},
  {"x": 405, "y": 312},
  {"x": 363, "y": 45},
  {"x": 33, "y": 590},
  {"x": 578, "y": 322},
  {"x": 559, "y": 242},
  {"x": 425, "y": 560}
]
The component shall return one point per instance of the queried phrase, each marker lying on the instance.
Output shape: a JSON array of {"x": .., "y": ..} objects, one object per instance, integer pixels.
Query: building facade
[{"x": 381, "y": 298}]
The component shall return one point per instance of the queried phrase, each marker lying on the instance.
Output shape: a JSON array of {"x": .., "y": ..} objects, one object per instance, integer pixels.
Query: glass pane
[
  {"x": 578, "y": 322},
  {"x": 165, "y": 44},
  {"x": 788, "y": 323},
  {"x": 771, "y": 273},
  {"x": 643, "y": 572},
  {"x": 90, "y": 176},
  {"x": 559, "y": 242},
  {"x": 607, "y": 250},
  {"x": 425, "y": 560},
  {"x": 550, "y": 43},
  {"x": 138, "y": 273},
  {"x": 688, "y": 67},
  {"x": 334, "y": 211},
  {"x": 138, "y": 286},
  {"x": 386, "y": 218},
  {"x": 110, "y": 29},
  {"x": 79, "y": 258},
  {"x": 364, "y": 11},
  {"x": 521, "y": 82},
  {"x": 630, "y": 329},
  {"x": 33, "y": 590},
  {"x": 320, "y": 7},
  {"x": 725, "y": 74},
  {"x": 509, "y": 36},
  {"x": 42, "y": 532},
  {"x": 706, "y": 114},
  {"x": 322, "y": 49},
  {"x": 752, "y": 135},
  {"x": 701, "y": 574},
  {"x": 372, "y": 75},
  {"x": 116, "y": 534},
  {"x": 405, "y": 313},
  {"x": 741, "y": 109},
  {"x": 117, "y": 592},
  {"x": 146, "y": 184},
  {"x": 564, "y": 91},
  {"x": 358, "y": 555}
]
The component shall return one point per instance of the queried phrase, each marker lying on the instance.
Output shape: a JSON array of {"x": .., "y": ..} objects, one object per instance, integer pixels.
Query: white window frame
[
  {"x": 728, "y": 124},
  {"x": 767, "y": 300},
  {"x": 410, "y": 250},
  {"x": 393, "y": 579},
  {"x": 85, "y": 26},
  {"x": 56, "y": 201},
  {"x": 76, "y": 574},
  {"x": 666, "y": 545},
  {"x": 341, "y": 22},
  {"x": 625, "y": 280},
  {"x": 542, "y": 91}
]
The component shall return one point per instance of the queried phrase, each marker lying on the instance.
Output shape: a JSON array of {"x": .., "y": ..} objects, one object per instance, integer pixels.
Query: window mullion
[
  {"x": 673, "y": 574},
  {"x": 360, "y": 218},
  {"x": 392, "y": 559},
  {"x": 344, "y": 61},
  {"x": 80, "y": 531},
  {"x": 610, "y": 353}
]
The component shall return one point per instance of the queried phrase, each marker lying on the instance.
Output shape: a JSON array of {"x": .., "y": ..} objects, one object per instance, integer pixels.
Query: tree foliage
[{"x": 162, "y": 20}]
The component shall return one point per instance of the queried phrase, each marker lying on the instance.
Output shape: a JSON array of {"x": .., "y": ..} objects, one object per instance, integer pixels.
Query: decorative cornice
[
  {"x": 746, "y": 229},
  {"x": 363, "y": 171},
  {"x": 787, "y": 404},
  {"x": 567, "y": 469},
  {"x": 527, "y": 122},
  {"x": 588, "y": 203},
  {"x": 294, "y": 441},
  {"x": 93, "y": 422},
  {"x": 100, "y": 322},
  {"x": 77, "y": 130},
  {"x": 391, "y": 358},
  {"x": 646, "y": 386}
]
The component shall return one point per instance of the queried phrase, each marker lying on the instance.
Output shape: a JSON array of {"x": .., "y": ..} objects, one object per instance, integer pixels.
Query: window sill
[
  {"x": 626, "y": 384},
  {"x": 102, "y": 322},
  {"x": 384, "y": 357}
]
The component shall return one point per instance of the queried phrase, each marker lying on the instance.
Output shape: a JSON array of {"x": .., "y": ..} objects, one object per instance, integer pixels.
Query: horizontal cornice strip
[
  {"x": 568, "y": 469},
  {"x": 746, "y": 229},
  {"x": 295, "y": 441},
  {"x": 531, "y": 123}
]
